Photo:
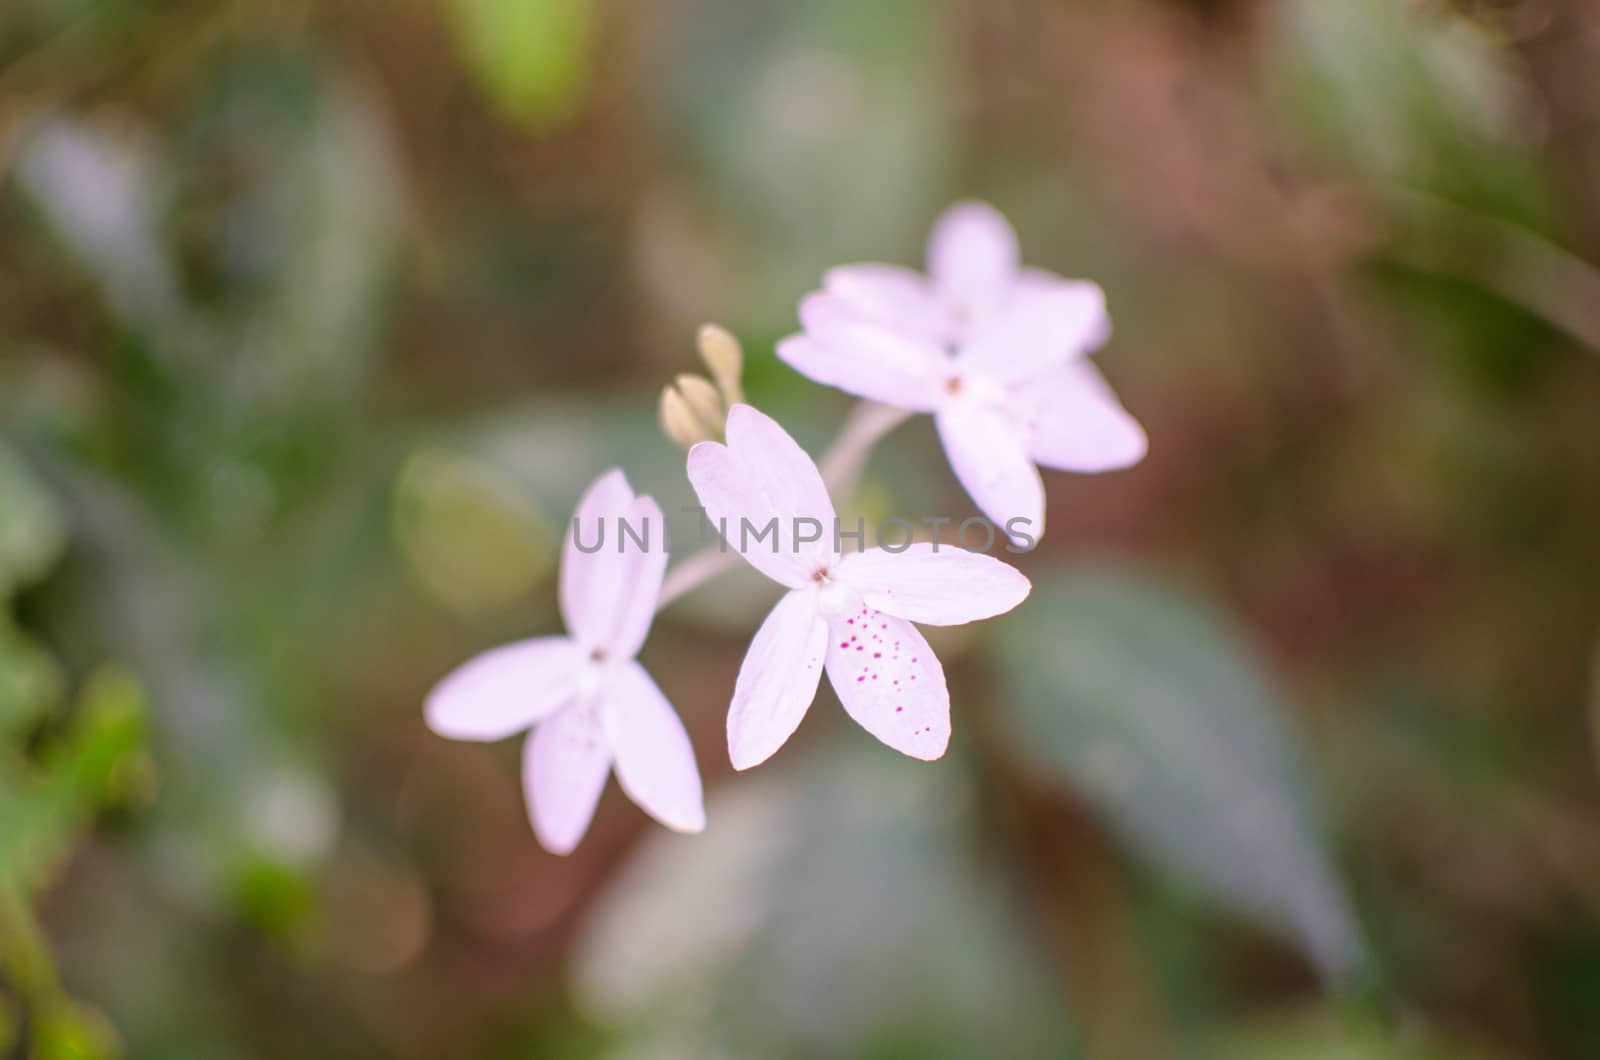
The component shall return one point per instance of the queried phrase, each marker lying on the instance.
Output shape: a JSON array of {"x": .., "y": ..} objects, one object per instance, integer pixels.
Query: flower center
[
  {"x": 973, "y": 388},
  {"x": 592, "y": 678},
  {"x": 835, "y": 598}
]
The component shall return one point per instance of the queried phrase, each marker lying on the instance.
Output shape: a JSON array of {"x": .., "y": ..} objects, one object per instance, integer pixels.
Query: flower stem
[
  {"x": 699, "y": 568},
  {"x": 845, "y": 460},
  {"x": 841, "y": 466}
]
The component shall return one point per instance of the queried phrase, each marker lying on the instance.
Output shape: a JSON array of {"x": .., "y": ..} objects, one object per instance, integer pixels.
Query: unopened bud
[
  {"x": 721, "y": 352},
  {"x": 679, "y": 421},
  {"x": 703, "y": 399}
]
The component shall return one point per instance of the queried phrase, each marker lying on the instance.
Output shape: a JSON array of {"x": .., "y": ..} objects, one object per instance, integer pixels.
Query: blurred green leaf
[
  {"x": 71, "y": 1031},
  {"x": 306, "y": 244},
  {"x": 824, "y": 128},
  {"x": 1332, "y": 1034},
  {"x": 832, "y": 911},
  {"x": 30, "y": 682},
  {"x": 1418, "y": 95},
  {"x": 238, "y": 374},
  {"x": 32, "y": 533},
  {"x": 530, "y": 57},
  {"x": 1144, "y": 699},
  {"x": 273, "y": 897},
  {"x": 44, "y": 805},
  {"x": 108, "y": 723},
  {"x": 475, "y": 541}
]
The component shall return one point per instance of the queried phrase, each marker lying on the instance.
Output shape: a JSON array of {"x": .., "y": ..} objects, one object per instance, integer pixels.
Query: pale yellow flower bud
[
  {"x": 679, "y": 421},
  {"x": 721, "y": 352},
  {"x": 703, "y": 399}
]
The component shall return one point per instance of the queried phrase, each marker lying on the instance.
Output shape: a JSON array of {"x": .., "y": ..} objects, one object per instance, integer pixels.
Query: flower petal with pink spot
[{"x": 890, "y": 682}]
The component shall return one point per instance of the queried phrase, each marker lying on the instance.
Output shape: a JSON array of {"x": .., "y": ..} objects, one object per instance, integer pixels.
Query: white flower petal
[
  {"x": 973, "y": 257},
  {"x": 935, "y": 585},
  {"x": 1045, "y": 280},
  {"x": 766, "y": 494},
  {"x": 777, "y": 680},
  {"x": 842, "y": 369},
  {"x": 609, "y": 596},
  {"x": 1079, "y": 425},
  {"x": 868, "y": 358},
  {"x": 732, "y": 498},
  {"x": 1038, "y": 327},
  {"x": 641, "y": 568},
  {"x": 987, "y": 451},
  {"x": 894, "y": 295},
  {"x": 654, "y": 759},
  {"x": 505, "y": 690},
  {"x": 890, "y": 682},
  {"x": 564, "y": 768}
]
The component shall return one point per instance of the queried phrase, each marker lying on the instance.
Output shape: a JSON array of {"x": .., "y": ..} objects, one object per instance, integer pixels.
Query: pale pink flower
[
  {"x": 995, "y": 351},
  {"x": 850, "y": 614},
  {"x": 592, "y": 706}
]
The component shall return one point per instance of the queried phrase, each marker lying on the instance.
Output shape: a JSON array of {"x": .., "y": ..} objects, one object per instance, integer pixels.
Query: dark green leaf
[{"x": 1145, "y": 700}]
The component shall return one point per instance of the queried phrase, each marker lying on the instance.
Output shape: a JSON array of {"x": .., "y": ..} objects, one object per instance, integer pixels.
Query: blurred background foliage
[{"x": 316, "y": 316}]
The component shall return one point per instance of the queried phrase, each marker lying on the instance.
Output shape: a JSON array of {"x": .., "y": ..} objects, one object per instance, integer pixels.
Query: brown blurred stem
[{"x": 841, "y": 467}]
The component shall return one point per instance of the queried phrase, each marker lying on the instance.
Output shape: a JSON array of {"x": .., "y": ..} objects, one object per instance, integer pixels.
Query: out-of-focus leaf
[
  {"x": 102, "y": 196},
  {"x": 530, "y": 57},
  {"x": 43, "y": 808},
  {"x": 1413, "y": 94},
  {"x": 1425, "y": 111},
  {"x": 313, "y": 236},
  {"x": 30, "y": 682},
  {"x": 72, "y": 1031},
  {"x": 274, "y": 898},
  {"x": 240, "y": 376},
  {"x": 1389, "y": 79},
  {"x": 107, "y": 724},
  {"x": 11, "y": 1023},
  {"x": 822, "y": 127},
  {"x": 1327, "y": 1034},
  {"x": 476, "y": 542},
  {"x": 237, "y": 789},
  {"x": 1145, "y": 700},
  {"x": 831, "y": 911},
  {"x": 32, "y": 534}
]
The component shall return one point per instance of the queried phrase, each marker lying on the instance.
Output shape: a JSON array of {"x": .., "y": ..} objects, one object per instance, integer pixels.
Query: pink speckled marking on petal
[{"x": 898, "y": 692}]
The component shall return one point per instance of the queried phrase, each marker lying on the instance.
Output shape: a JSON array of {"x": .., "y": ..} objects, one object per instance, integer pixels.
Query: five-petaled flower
[
  {"x": 593, "y": 707},
  {"x": 852, "y": 614},
  {"x": 994, "y": 350}
]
